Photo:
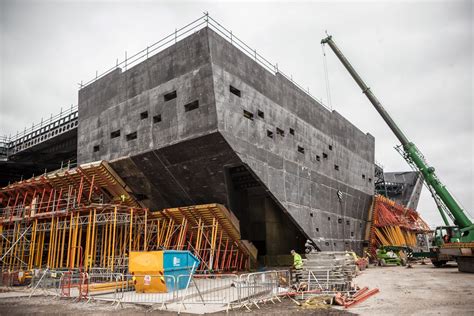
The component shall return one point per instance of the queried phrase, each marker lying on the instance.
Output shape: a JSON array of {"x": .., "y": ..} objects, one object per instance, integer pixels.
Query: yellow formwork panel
[{"x": 147, "y": 268}]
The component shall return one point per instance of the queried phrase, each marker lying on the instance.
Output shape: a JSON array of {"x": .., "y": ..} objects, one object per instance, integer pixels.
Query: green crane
[{"x": 463, "y": 231}]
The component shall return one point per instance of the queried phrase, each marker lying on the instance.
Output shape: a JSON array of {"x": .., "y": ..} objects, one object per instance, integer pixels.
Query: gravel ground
[
  {"x": 49, "y": 306},
  {"x": 422, "y": 290}
]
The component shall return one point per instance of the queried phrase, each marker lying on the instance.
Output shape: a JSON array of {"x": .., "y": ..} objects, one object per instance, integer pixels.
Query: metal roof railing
[
  {"x": 194, "y": 26},
  {"x": 57, "y": 124},
  {"x": 48, "y": 128}
]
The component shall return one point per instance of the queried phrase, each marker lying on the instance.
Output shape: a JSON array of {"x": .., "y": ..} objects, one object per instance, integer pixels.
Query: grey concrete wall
[
  {"x": 306, "y": 184},
  {"x": 411, "y": 183},
  {"x": 116, "y": 102},
  {"x": 181, "y": 160}
]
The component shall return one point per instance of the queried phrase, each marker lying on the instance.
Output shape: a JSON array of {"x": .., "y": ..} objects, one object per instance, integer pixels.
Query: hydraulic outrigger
[{"x": 458, "y": 240}]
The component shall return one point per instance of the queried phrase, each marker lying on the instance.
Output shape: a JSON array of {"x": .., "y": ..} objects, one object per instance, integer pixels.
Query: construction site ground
[{"x": 422, "y": 290}]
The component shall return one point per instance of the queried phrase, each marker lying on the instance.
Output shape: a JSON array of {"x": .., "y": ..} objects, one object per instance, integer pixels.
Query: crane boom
[{"x": 412, "y": 154}]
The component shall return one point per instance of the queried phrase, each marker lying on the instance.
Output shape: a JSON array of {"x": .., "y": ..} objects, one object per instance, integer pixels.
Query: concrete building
[
  {"x": 202, "y": 122},
  {"x": 402, "y": 187}
]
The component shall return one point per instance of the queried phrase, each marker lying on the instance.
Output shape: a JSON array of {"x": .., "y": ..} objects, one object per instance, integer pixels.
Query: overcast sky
[{"x": 416, "y": 56}]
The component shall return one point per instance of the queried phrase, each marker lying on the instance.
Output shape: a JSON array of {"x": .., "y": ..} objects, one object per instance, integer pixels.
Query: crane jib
[{"x": 411, "y": 151}]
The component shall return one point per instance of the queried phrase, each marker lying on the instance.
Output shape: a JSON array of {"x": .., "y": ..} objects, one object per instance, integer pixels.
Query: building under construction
[{"x": 196, "y": 143}]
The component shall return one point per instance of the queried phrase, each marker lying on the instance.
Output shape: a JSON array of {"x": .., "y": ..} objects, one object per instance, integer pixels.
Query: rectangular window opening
[
  {"x": 96, "y": 148},
  {"x": 330, "y": 147},
  {"x": 363, "y": 176},
  {"x": 157, "y": 118},
  {"x": 347, "y": 222},
  {"x": 115, "y": 134},
  {"x": 336, "y": 167},
  {"x": 300, "y": 149},
  {"x": 248, "y": 115},
  {"x": 318, "y": 158},
  {"x": 144, "y": 115},
  {"x": 370, "y": 179},
  {"x": 235, "y": 91},
  {"x": 170, "y": 96},
  {"x": 260, "y": 114},
  {"x": 325, "y": 155},
  {"x": 280, "y": 132},
  {"x": 191, "y": 106},
  {"x": 131, "y": 136},
  {"x": 352, "y": 234},
  {"x": 270, "y": 134},
  {"x": 317, "y": 229},
  {"x": 292, "y": 131}
]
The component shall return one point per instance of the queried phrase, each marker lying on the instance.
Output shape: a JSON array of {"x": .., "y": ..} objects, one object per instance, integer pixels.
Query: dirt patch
[
  {"x": 422, "y": 290},
  {"x": 53, "y": 306}
]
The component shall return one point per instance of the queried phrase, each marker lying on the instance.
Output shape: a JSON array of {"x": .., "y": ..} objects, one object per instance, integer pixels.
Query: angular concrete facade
[
  {"x": 202, "y": 122},
  {"x": 403, "y": 187}
]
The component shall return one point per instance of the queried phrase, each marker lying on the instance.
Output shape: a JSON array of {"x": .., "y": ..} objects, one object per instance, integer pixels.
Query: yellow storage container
[{"x": 147, "y": 268}]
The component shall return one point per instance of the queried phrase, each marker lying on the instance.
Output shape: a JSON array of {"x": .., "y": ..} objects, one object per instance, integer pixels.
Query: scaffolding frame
[{"x": 86, "y": 218}]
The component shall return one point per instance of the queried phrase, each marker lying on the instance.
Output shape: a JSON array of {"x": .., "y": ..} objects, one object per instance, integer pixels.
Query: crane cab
[{"x": 445, "y": 234}]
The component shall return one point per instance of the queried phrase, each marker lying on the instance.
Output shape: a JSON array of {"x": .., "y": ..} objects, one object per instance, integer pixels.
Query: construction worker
[
  {"x": 297, "y": 266},
  {"x": 297, "y": 261}
]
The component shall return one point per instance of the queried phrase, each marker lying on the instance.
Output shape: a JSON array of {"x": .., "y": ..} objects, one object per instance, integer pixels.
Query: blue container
[{"x": 181, "y": 264}]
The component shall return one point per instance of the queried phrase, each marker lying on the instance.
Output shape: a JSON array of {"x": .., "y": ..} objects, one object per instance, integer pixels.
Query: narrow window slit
[
  {"x": 115, "y": 134},
  {"x": 170, "y": 96},
  {"x": 235, "y": 91},
  {"x": 248, "y": 115},
  {"x": 191, "y": 106},
  {"x": 131, "y": 136},
  {"x": 157, "y": 118}
]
